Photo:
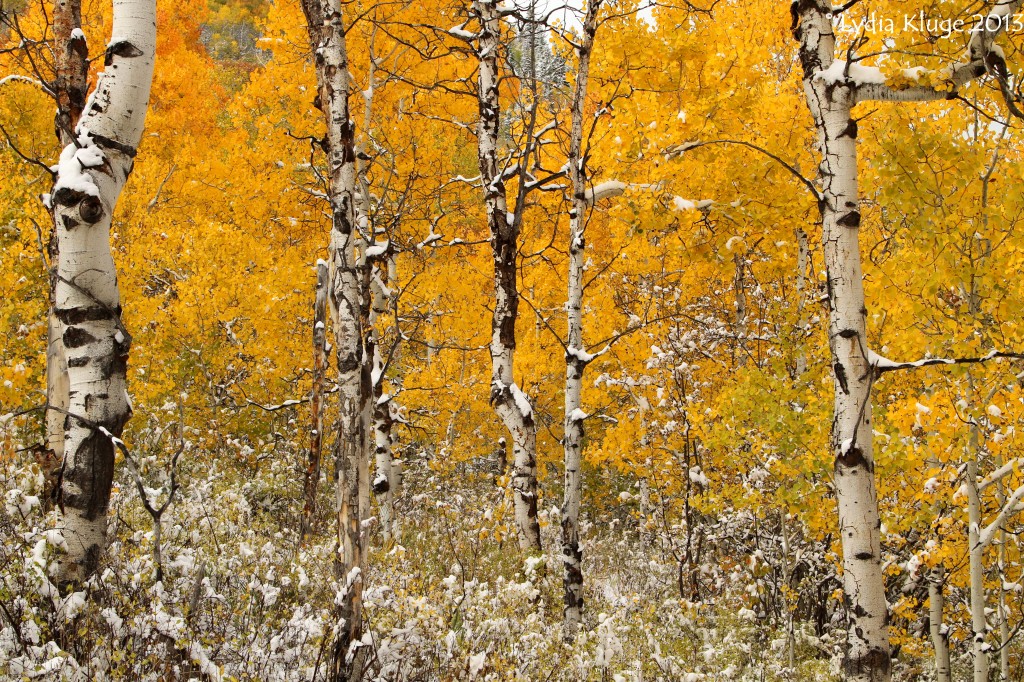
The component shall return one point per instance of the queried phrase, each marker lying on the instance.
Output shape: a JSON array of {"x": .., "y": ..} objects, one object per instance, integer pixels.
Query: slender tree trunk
[
  {"x": 867, "y": 655},
  {"x": 786, "y": 576},
  {"x": 382, "y": 421},
  {"x": 382, "y": 424},
  {"x": 1004, "y": 625},
  {"x": 576, "y": 357},
  {"x": 509, "y": 401},
  {"x": 739, "y": 290},
  {"x": 803, "y": 253},
  {"x": 327, "y": 38},
  {"x": 90, "y": 176},
  {"x": 312, "y": 480},
  {"x": 940, "y": 636},
  {"x": 976, "y": 555},
  {"x": 69, "y": 86}
]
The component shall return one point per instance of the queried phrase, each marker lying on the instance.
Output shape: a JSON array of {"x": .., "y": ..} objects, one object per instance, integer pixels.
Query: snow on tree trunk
[
  {"x": 867, "y": 655},
  {"x": 70, "y": 86},
  {"x": 91, "y": 173},
  {"x": 327, "y": 38},
  {"x": 509, "y": 401},
  {"x": 576, "y": 358},
  {"x": 313, "y": 461}
]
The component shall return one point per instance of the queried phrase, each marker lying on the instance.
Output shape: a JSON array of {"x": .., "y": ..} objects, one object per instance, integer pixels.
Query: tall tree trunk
[
  {"x": 327, "y": 38},
  {"x": 576, "y": 357},
  {"x": 867, "y": 655},
  {"x": 509, "y": 401},
  {"x": 69, "y": 87},
  {"x": 382, "y": 420},
  {"x": 976, "y": 548},
  {"x": 92, "y": 172},
  {"x": 313, "y": 461}
]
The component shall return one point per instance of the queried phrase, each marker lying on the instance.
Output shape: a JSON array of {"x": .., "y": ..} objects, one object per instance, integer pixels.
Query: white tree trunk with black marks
[
  {"x": 91, "y": 174},
  {"x": 382, "y": 417},
  {"x": 976, "y": 555},
  {"x": 830, "y": 98},
  {"x": 509, "y": 401},
  {"x": 576, "y": 357},
  {"x": 867, "y": 655},
  {"x": 939, "y": 631},
  {"x": 327, "y": 38},
  {"x": 70, "y": 87}
]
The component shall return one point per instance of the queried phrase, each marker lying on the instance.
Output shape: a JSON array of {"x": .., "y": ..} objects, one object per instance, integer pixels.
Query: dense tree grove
[{"x": 507, "y": 340}]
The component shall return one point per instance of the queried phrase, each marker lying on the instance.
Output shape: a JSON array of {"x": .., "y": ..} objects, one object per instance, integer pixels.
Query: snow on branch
[
  {"x": 981, "y": 56},
  {"x": 18, "y": 78},
  {"x": 1012, "y": 506},
  {"x": 1001, "y": 473},
  {"x": 883, "y": 364},
  {"x": 583, "y": 356},
  {"x": 604, "y": 190}
]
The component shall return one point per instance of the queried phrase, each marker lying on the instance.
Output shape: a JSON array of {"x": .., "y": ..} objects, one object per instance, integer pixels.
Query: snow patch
[{"x": 842, "y": 72}]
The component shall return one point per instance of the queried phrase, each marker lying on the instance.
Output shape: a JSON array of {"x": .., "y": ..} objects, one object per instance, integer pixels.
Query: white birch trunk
[
  {"x": 576, "y": 357},
  {"x": 382, "y": 420},
  {"x": 976, "y": 553},
  {"x": 70, "y": 87},
  {"x": 92, "y": 172},
  {"x": 382, "y": 482},
  {"x": 327, "y": 38},
  {"x": 940, "y": 636},
  {"x": 867, "y": 655},
  {"x": 509, "y": 401}
]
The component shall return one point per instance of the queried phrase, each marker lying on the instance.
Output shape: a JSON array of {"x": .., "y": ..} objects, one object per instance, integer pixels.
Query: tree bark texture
[{"x": 91, "y": 174}]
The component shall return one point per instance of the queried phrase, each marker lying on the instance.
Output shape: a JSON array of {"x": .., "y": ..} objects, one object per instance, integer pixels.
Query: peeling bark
[
  {"x": 327, "y": 39},
  {"x": 87, "y": 308},
  {"x": 70, "y": 86},
  {"x": 314, "y": 457}
]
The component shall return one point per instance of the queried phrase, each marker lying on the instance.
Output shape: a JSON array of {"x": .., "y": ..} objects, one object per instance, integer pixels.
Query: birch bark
[
  {"x": 939, "y": 633},
  {"x": 69, "y": 87},
  {"x": 327, "y": 39},
  {"x": 91, "y": 173},
  {"x": 510, "y": 402},
  {"x": 576, "y": 357},
  {"x": 867, "y": 649},
  {"x": 830, "y": 101}
]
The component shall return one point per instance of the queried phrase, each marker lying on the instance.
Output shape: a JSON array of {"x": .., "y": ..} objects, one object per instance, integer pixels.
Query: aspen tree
[
  {"x": 70, "y": 86},
  {"x": 576, "y": 356},
  {"x": 326, "y": 28},
  {"x": 91, "y": 174},
  {"x": 509, "y": 401},
  {"x": 832, "y": 88}
]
